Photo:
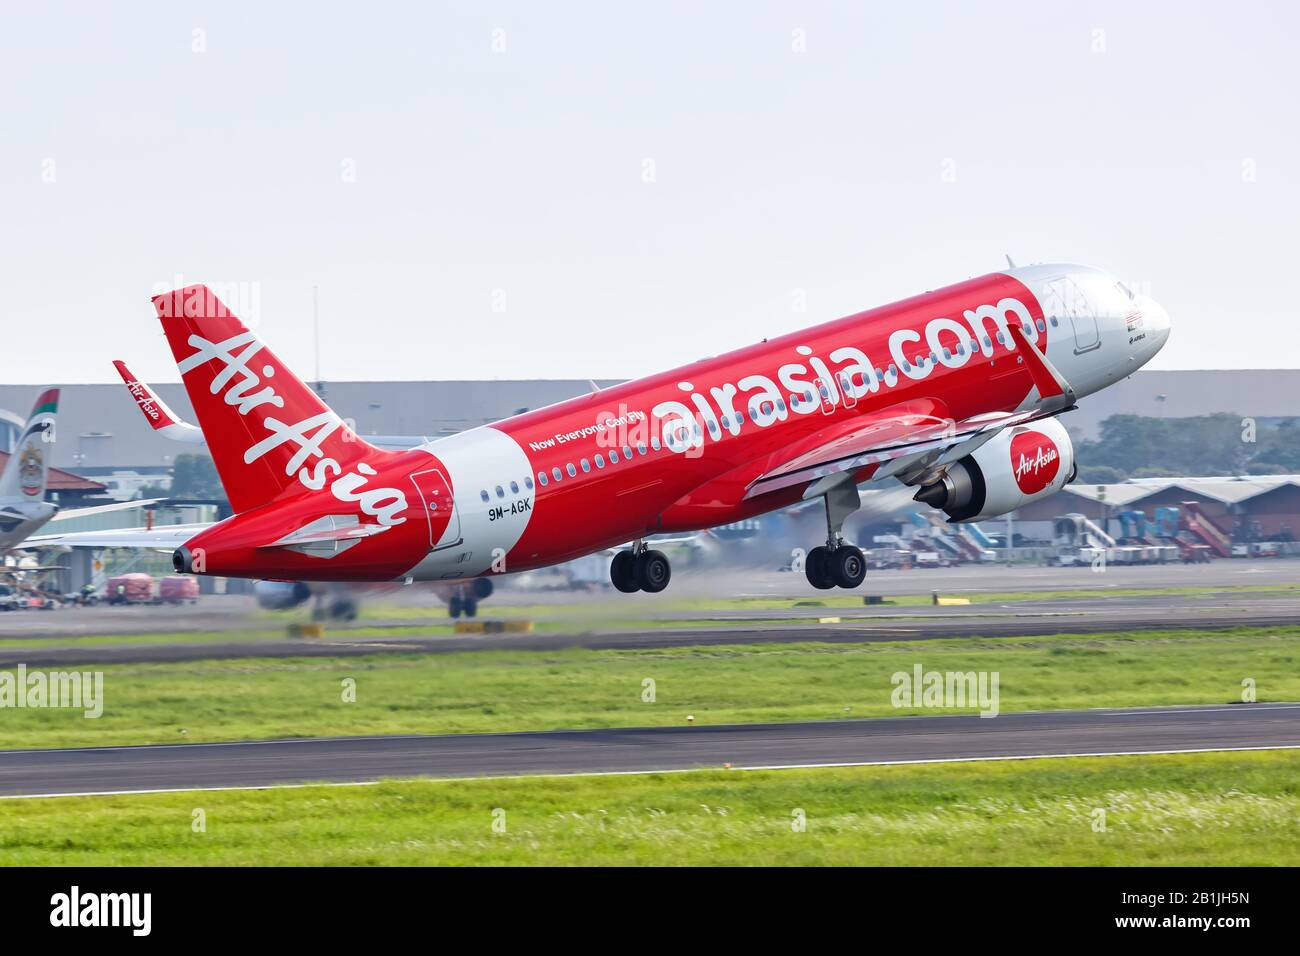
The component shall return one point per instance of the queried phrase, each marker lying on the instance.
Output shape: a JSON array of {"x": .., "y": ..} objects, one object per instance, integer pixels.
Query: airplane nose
[{"x": 1156, "y": 320}]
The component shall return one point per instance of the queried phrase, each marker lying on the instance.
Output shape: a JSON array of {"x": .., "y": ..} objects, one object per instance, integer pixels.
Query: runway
[
  {"x": 1066, "y": 615},
  {"x": 753, "y": 746}
]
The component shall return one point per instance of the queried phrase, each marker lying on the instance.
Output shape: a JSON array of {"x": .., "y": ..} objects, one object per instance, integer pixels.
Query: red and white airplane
[{"x": 954, "y": 392}]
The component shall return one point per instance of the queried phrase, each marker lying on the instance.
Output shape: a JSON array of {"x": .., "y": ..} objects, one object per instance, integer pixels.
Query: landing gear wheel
[
  {"x": 817, "y": 568},
  {"x": 848, "y": 566},
  {"x": 622, "y": 572},
  {"x": 343, "y": 610},
  {"x": 471, "y": 607},
  {"x": 652, "y": 571},
  {"x": 453, "y": 606}
]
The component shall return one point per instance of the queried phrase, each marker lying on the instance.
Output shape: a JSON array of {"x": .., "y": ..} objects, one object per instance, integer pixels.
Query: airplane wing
[
  {"x": 65, "y": 514},
  {"x": 9, "y": 519},
  {"x": 909, "y": 439},
  {"x": 167, "y": 537},
  {"x": 324, "y": 538},
  {"x": 170, "y": 425}
]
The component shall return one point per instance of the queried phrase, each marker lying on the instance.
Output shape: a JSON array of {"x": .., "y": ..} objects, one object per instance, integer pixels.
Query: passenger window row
[
  {"x": 766, "y": 408},
  {"x": 948, "y": 353},
  {"x": 501, "y": 491},
  {"x": 615, "y": 456}
]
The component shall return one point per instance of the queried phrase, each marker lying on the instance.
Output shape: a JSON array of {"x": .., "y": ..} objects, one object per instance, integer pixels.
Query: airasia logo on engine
[{"x": 1035, "y": 460}]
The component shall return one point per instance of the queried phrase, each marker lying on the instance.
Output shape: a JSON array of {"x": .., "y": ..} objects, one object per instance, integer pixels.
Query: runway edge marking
[{"x": 638, "y": 773}]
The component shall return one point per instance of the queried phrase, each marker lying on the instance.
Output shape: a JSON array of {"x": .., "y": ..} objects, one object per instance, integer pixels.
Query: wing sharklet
[{"x": 1054, "y": 392}]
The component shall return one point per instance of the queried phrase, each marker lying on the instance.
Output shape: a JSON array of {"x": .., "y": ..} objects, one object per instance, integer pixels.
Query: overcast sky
[{"x": 570, "y": 190}]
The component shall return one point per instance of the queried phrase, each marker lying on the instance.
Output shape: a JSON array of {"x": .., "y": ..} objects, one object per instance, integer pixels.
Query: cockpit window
[{"x": 1125, "y": 289}]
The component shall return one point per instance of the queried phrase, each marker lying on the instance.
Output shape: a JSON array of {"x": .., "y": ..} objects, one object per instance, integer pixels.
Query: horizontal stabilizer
[{"x": 328, "y": 536}]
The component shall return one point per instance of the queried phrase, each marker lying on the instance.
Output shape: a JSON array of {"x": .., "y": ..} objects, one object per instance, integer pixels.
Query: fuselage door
[
  {"x": 439, "y": 508},
  {"x": 1066, "y": 302},
  {"x": 847, "y": 393},
  {"x": 825, "y": 394}
]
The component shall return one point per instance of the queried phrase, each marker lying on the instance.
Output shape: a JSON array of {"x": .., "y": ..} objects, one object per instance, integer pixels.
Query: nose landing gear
[
  {"x": 837, "y": 563},
  {"x": 640, "y": 569}
]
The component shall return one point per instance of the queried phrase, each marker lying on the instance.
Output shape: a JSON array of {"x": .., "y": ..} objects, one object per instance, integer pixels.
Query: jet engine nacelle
[
  {"x": 280, "y": 595},
  {"x": 1019, "y": 465}
]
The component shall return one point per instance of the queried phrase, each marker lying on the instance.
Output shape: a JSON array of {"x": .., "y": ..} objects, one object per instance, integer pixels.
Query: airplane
[
  {"x": 954, "y": 392},
  {"x": 23, "y": 508}
]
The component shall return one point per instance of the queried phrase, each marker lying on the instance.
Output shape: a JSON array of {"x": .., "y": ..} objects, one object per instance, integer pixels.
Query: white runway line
[{"x": 638, "y": 773}]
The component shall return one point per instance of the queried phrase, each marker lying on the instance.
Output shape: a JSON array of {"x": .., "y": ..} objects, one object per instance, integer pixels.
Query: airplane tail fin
[
  {"x": 28, "y": 469},
  {"x": 266, "y": 429}
]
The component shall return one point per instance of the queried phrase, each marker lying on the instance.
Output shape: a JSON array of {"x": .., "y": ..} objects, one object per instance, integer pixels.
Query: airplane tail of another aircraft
[
  {"x": 268, "y": 431},
  {"x": 27, "y": 472},
  {"x": 155, "y": 411}
]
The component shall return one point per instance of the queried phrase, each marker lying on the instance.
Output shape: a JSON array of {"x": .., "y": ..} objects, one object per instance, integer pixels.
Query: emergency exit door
[{"x": 439, "y": 508}]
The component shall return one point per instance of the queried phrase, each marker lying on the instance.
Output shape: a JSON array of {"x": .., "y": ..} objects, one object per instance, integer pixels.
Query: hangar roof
[
  {"x": 60, "y": 480},
  {"x": 1229, "y": 490}
]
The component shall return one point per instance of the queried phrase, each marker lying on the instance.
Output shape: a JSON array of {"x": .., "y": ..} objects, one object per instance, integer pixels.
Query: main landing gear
[
  {"x": 464, "y": 599},
  {"x": 336, "y": 606},
  {"x": 837, "y": 563},
  {"x": 640, "y": 570}
]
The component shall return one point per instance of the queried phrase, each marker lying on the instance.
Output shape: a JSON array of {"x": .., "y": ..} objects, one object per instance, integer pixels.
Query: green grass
[
  {"x": 580, "y": 688},
  {"x": 1223, "y": 809}
]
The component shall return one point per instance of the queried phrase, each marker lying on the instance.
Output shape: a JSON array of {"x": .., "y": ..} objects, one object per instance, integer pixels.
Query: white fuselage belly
[{"x": 481, "y": 533}]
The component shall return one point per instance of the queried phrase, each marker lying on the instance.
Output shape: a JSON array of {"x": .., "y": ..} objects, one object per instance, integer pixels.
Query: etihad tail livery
[
  {"x": 954, "y": 392},
  {"x": 23, "y": 507}
]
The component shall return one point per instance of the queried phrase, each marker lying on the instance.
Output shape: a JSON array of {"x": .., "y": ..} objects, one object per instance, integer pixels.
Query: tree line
[{"x": 1138, "y": 446}]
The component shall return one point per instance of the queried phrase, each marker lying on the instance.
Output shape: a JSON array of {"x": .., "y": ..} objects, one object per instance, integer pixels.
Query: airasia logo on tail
[
  {"x": 1035, "y": 461},
  {"x": 237, "y": 382}
]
